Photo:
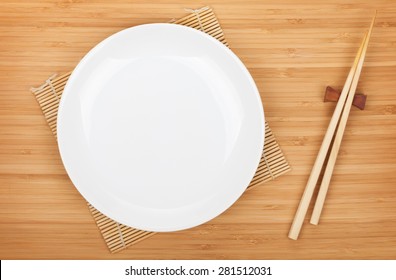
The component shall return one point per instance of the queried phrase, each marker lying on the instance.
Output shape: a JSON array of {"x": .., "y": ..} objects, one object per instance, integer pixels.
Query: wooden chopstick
[
  {"x": 339, "y": 134},
  {"x": 317, "y": 167},
  {"x": 313, "y": 178}
]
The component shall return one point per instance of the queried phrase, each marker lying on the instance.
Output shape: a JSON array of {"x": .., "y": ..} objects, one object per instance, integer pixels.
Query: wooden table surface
[{"x": 293, "y": 52}]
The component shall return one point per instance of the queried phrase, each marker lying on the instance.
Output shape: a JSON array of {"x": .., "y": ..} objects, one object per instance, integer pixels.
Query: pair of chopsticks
[{"x": 340, "y": 118}]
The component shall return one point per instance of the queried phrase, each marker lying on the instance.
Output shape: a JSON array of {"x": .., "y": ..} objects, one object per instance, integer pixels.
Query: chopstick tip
[
  {"x": 314, "y": 222},
  {"x": 293, "y": 235}
]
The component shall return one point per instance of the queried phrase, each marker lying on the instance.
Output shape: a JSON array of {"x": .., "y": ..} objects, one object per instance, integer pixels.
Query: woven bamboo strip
[
  {"x": 117, "y": 236},
  {"x": 209, "y": 23}
]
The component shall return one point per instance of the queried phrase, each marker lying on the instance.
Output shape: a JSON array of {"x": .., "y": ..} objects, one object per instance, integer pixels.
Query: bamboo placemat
[{"x": 117, "y": 236}]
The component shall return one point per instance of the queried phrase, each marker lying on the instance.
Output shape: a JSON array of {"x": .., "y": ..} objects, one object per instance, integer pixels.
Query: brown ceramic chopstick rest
[{"x": 332, "y": 95}]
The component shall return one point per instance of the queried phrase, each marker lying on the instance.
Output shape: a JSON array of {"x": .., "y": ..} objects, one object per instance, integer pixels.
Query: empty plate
[{"x": 161, "y": 127}]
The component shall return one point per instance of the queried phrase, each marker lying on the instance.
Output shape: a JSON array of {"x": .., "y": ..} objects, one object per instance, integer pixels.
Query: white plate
[{"x": 161, "y": 127}]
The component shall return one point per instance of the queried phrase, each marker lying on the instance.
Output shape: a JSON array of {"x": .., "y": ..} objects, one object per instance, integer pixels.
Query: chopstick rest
[{"x": 332, "y": 95}]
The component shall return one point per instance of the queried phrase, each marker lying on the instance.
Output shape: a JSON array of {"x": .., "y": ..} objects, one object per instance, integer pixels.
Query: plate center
[{"x": 155, "y": 118}]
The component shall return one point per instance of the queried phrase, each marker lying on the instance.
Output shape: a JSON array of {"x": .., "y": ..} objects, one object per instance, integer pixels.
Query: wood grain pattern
[{"x": 293, "y": 50}]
